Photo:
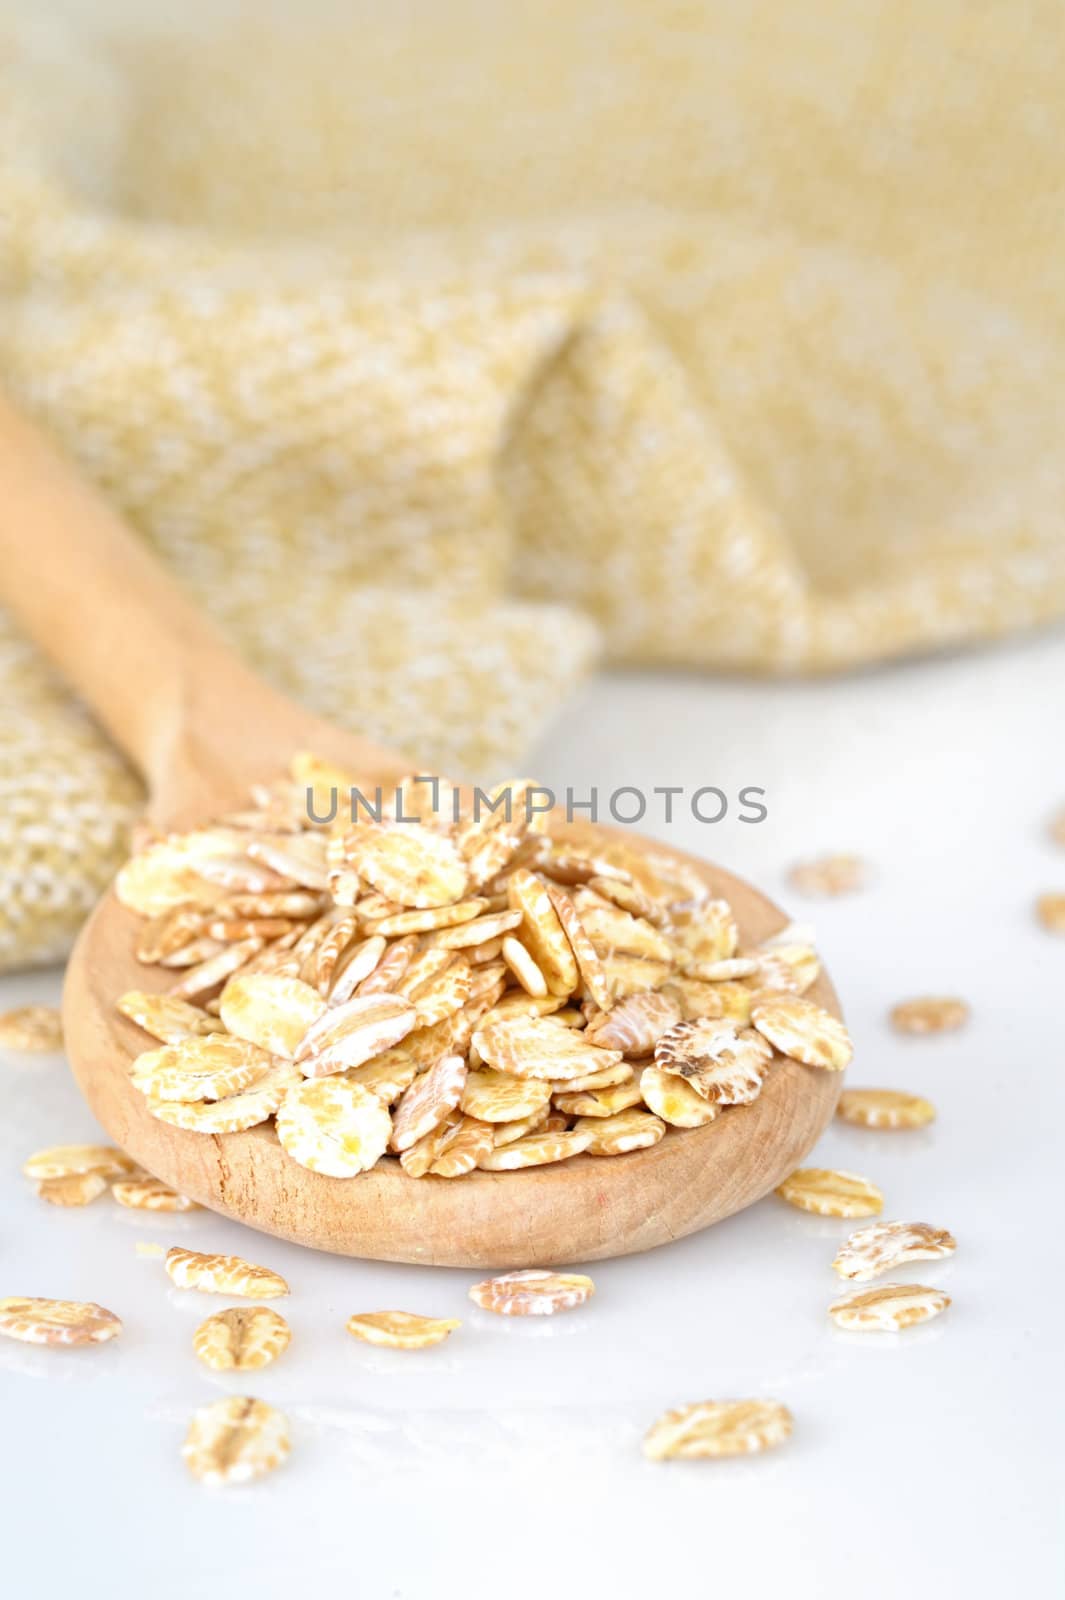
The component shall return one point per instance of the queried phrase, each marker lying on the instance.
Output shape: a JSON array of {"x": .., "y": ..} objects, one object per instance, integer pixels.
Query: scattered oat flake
[
  {"x": 241, "y": 1339},
  {"x": 831, "y": 1193},
  {"x": 150, "y": 1194},
  {"x": 235, "y": 1440},
  {"x": 62, "y": 1322},
  {"x": 532, "y": 1293},
  {"x": 884, "y": 1108},
  {"x": 1057, "y": 828},
  {"x": 67, "y": 1160},
  {"x": 143, "y": 1248},
  {"x": 720, "y": 1064},
  {"x": 718, "y": 1428},
  {"x": 829, "y": 875},
  {"x": 930, "y": 1014},
  {"x": 804, "y": 1031},
  {"x": 34, "y": 1029},
  {"x": 76, "y": 1189},
  {"x": 334, "y": 1126},
  {"x": 214, "y": 1274},
  {"x": 400, "y": 1330},
  {"x": 886, "y": 1245},
  {"x": 889, "y": 1307},
  {"x": 1051, "y": 910}
]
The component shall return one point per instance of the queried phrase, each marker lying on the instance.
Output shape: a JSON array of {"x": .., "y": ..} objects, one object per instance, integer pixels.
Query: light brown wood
[{"x": 201, "y": 727}]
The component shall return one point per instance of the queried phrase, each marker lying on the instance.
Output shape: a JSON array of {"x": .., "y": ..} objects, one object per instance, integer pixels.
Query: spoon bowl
[{"x": 202, "y": 728}]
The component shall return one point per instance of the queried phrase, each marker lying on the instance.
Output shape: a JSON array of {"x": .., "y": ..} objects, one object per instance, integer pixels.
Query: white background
[{"x": 507, "y": 1461}]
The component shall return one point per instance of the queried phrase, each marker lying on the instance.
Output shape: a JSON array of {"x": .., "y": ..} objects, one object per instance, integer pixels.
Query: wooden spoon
[{"x": 201, "y": 728}]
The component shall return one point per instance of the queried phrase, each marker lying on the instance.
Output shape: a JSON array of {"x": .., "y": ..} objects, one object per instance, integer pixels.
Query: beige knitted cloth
[{"x": 444, "y": 345}]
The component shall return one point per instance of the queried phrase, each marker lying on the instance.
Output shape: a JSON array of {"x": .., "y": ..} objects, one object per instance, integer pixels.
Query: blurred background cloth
[{"x": 442, "y": 348}]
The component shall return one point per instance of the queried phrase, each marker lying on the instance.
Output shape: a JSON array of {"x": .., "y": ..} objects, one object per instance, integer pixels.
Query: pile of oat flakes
[
  {"x": 231, "y": 922},
  {"x": 459, "y": 991}
]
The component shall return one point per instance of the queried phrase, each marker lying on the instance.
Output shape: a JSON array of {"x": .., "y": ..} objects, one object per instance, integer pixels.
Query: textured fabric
[{"x": 442, "y": 346}]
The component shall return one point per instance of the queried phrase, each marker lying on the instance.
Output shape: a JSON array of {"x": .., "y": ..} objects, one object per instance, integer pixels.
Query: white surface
[{"x": 508, "y": 1460}]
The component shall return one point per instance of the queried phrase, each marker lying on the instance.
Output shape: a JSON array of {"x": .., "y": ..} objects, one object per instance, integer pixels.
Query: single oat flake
[
  {"x": 165, "y": 1018},
  {"x": 635, "y": 1024},
  {"x": 271, "y": 1012},
  {"x": 428, "y": 1101},
  {"x": 828, "y": 876},
  {"x": 461, "y": 1147},
  {"x": 350, "y": 1034},
  {"x": 237, "y": 1111},
  {"x": 499, "y": 1097},
  {"x": 150, "y": 1194},
  {"x": 888, "y": 1308},
  {"x": 718, "y": 1428},
  {"x": 534, "y": 1292},
  {"x": 884, "y": 1108},
  {"x": 675, "y": 1101},
  {"x": 885, "y": 1245},
  {"x": 541, "y": 931},
  {"x": 621, "y": 1133},
  {"x": 724, "y": 1066},
  {"x": 930, "y": 1014},
  {"x": 535, "y": 1150},
  {"x": 60, "y": 1322},
  {"x": 535, "y": 1047},
  {"x": 831, "y": 1194},
  {"x": 241, "y": 1339},
  {"x": 333, "y": 1126},
  {"x": 600, "y": 1102},
  {"x": 69, "y": 1160},
  {"x": 1051, "y": 912},
  {"x": 804, "y": 1031},
  {"x": 201, "y": 1068},
  {"x": 214, "y": 1274},
  {"x": 411, "y": 866},
  {"x": 76, "y": 1189},
  {"x": 235, "y": 1440},
  {"x": 33, "y": 1029},
  {"x": 400, "y": 1330}
]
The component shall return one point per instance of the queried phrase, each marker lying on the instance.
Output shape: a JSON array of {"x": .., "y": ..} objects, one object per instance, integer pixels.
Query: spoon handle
[{"x": 181, "y": 705}]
